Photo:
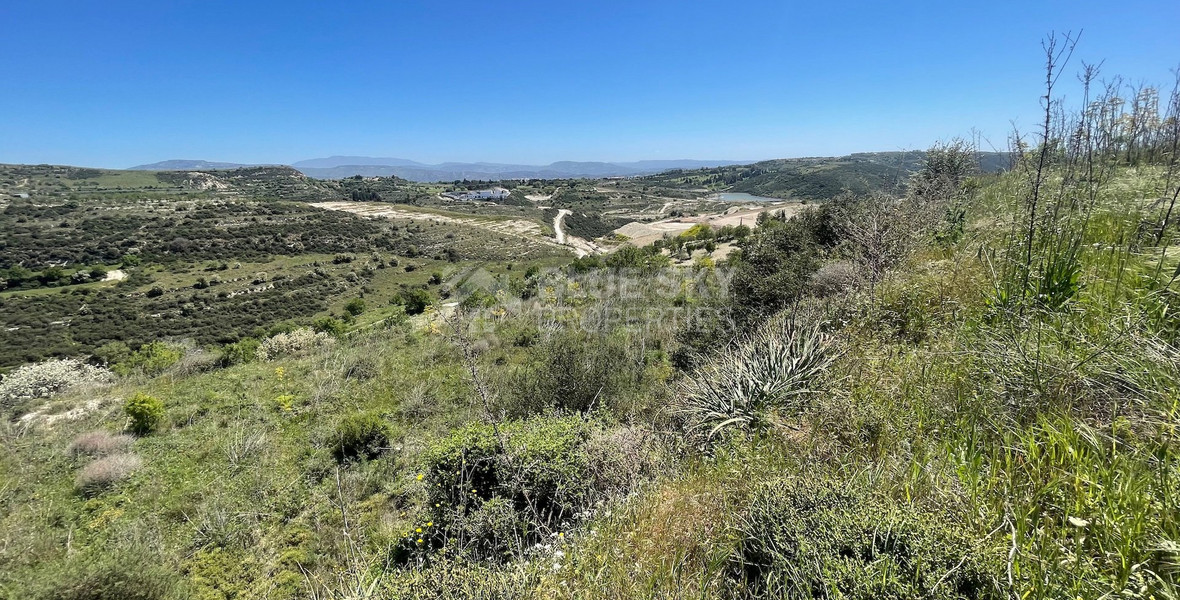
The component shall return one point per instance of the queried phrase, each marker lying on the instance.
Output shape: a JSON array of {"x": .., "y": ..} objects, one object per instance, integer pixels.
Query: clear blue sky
[{"x": 116, "y": 83}]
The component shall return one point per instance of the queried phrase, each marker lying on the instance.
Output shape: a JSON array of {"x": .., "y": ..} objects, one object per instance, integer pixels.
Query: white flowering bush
[
  {"x": 47, "y": 379},
  {"x": 295, "y": 343}
]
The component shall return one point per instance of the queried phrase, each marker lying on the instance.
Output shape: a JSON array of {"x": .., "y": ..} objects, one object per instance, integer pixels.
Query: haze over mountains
[{"x": 338, "y": 167}]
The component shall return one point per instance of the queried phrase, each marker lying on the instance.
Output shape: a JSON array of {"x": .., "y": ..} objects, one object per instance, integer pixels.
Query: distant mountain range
[
  {"x": 187, "y": 165},
  {"x": 339, "y": 167}
]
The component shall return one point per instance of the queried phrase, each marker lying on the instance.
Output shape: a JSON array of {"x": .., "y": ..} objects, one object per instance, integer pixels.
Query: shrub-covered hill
[
  {"x": 89, "y": 257},
  {"x": 967, "y": 391},
  {"x": 914, "y": 420},
  {"x": 266, "y": 182},
  {"x": 814, "y": 178}
]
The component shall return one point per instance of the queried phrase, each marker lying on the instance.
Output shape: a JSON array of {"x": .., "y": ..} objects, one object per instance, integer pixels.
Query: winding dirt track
[
  {"x": 581, "y": 246},
  {"x": 557, "y": 231}
]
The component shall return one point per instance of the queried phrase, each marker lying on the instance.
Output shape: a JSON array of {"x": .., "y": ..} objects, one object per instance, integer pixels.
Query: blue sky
[{"x": 114, "y": 83}]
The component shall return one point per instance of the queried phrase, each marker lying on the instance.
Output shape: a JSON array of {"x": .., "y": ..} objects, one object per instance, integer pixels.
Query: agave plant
[{"x": 776, "y": 370}]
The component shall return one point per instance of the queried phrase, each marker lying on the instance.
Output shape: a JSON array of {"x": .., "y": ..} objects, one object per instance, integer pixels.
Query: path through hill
[{"x": 557, "y": 231}]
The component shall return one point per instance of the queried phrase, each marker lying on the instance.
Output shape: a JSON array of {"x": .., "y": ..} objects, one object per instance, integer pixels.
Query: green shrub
[
  {"x": 361, "y": 435},
  {"x": 146, "y": 412},
  {"x": 494, "y": 528},
  {"x": 150, "y": 359},
  {"x": 703, "y": 332},
  {"x": 240, "y": 352},
  {"x": 821, "y": 538},
  {"x": 495, "y": 488},
  {"x": 573, "y": 371},
  {"x": 112, "y": 353},
  {"x": 355, "y": 307},
  {"x": 330, "y": 326},
  {"x": 478, "y": 298},
  {"x": 415, "y": 300},
  {"x": 774, "y": 269}
]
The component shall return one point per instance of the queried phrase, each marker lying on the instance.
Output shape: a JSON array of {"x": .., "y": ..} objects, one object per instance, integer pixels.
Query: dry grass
[
  {"x": 99, "y": 443},
  {"x": 664, "y": 544},
  {"x": 106, "y": 472},
  {"x": 620, "y": 459}
]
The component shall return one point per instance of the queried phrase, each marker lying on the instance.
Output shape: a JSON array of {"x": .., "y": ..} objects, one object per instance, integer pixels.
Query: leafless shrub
[
  {"x": 195, "y": 360},
  {"x": 106, "y": 472},
  {"x": 99, "y": 443},
  {"x": 884, "y": 230},
  {"x": 620, "y": 458},
  {"x": 834, "y": 278}
]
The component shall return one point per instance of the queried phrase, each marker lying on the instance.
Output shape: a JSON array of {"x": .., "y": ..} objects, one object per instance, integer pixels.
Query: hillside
[
  {"x": 812, "y": 178},
  {"x": 968, "y": 388},
  {"x": 92, "y": 258}
]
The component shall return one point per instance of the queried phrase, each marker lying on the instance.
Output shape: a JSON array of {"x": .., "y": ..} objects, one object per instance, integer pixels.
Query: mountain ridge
[{"x": 339, "y": 167}]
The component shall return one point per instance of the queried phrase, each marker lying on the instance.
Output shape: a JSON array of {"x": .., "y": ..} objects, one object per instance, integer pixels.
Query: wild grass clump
[
  {"x": 361, "y": 368},
  {"x": 451, "y": 578},
  {"x": 104, "y": 575},
  {"x": 361, "y": 436},
  {"x": 1095, "y": 512},
  {"x": 99, "y": 443},
  {"x": 103, "y": 473},
  {"x": 776, "y": 371},
  {"x": 243, "y": 446},
  {"x": 47, "y": 379},
  {"x": 1055, "y": 362},
  {"x": 819, "y": 538}
]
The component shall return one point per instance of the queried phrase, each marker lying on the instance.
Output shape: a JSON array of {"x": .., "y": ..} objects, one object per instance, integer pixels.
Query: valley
[{"x": 216, "y": 255}]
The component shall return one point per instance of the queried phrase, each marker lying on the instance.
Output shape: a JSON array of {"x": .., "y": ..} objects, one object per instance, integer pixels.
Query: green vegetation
[
  {"x": 210, "y": 257},
  {"x": 968, "y": 390},
  {"x": 145, "y": 412},
  {"x": 362, "y": 435}
]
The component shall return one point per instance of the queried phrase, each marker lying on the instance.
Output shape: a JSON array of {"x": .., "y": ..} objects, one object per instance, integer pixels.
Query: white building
[{"x": 496, "y": 193}]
